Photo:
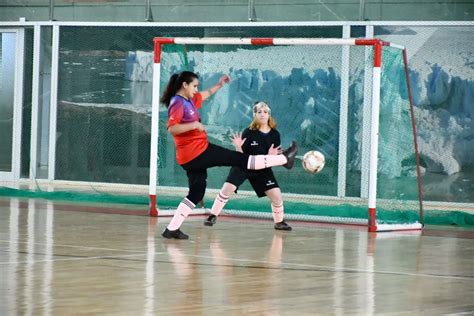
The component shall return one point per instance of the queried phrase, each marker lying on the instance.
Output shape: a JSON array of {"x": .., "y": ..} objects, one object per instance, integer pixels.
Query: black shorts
[
  {"x": 213, "y": 156},
  {"x": 261, "y": 180}
]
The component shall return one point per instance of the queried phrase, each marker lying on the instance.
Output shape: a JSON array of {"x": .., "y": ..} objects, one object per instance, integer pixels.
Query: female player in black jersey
[{"x": 260, "y": 138}]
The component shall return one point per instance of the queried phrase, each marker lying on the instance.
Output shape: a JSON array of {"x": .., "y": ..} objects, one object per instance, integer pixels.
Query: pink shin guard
[
  {"x": 265, "y": 161},
  {"x": 219, "y": 203},
  {"x": 183, "y": 210},
  {"x": 277, "y": 212}
]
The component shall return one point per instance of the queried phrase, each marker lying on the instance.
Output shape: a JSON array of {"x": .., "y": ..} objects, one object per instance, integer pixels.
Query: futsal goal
[{"x": 348, "y": 98}]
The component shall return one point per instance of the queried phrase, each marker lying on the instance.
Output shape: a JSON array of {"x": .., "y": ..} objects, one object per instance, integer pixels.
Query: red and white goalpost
[{"x": 374, "y": 131}]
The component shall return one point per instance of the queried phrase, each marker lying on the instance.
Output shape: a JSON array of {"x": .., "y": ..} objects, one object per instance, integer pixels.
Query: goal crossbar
[
  {"x": 374, "y": 131},
  {"x": 271, "y": 41}
]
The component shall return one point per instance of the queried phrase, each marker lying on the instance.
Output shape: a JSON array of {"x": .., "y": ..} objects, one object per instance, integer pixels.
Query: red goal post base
[
  {"x": 396, "y": 227},
  {"x": 153, "y": 211}
]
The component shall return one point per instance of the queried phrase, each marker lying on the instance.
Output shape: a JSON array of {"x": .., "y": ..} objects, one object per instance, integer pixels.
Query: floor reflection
[
  {"x": 150, "y": 267},
  {"x": 13, "y": 253}
]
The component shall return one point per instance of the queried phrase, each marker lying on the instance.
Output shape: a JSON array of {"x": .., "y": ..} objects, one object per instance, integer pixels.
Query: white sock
[
  {"x": 277, "y": 212},
  {"x": 258, "y": 162},
  {"x": 219, "y": 203},
  {"x": 183, "y": 210}
]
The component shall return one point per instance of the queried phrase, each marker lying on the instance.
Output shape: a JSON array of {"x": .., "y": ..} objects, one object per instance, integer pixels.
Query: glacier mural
[{"x": 306, "y": 102}]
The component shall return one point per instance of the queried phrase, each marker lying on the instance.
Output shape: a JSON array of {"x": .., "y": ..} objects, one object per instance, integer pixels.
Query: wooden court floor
[{"x": 69, "y": 259}]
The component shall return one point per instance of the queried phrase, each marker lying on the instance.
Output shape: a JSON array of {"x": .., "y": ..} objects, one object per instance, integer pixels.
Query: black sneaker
[
  {"x": 176, "y": 234},
  {"x": 290, "y": 154},
  {"x": 211, "y": 220},
  {"x": 282, "y": 226}
]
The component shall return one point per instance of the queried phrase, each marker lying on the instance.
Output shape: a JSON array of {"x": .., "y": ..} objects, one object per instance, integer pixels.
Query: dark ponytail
[{"x": 175, "y": 83}]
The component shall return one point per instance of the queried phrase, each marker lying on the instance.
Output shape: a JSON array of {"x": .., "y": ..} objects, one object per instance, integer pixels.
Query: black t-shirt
[{"x": 258, "y": 143}]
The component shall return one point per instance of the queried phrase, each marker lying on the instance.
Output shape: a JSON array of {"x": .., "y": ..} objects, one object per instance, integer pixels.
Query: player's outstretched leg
[{"x": 287, "y": 159}]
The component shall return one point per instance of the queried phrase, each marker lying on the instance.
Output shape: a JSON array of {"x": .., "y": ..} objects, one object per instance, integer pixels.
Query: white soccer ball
[{"x": 313, "y": 161}]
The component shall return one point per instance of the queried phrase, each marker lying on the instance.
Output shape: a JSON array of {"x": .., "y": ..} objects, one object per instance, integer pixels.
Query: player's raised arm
[{"x": 212, "y": 90}]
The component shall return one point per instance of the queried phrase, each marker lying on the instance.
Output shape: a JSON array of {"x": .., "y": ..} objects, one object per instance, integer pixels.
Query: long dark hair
[{"x": 175, "y": 83}]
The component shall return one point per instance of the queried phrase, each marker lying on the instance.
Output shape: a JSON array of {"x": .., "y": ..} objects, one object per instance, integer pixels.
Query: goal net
[{"x": 347, "y": 98}]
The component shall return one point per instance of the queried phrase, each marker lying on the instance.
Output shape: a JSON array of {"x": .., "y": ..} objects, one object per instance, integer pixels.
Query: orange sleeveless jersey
[{"x": 190, "y": 144}]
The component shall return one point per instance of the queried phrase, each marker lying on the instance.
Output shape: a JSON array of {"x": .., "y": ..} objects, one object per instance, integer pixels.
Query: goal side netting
[{"x": 347, "y": 98}]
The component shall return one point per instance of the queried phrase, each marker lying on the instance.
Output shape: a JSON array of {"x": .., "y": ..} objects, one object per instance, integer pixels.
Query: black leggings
[{"x": 213, "y": 156}]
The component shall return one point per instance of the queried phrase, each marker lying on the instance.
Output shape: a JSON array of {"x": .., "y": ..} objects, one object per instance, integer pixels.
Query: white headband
[{"x": 259, "y": 105}]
